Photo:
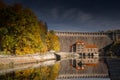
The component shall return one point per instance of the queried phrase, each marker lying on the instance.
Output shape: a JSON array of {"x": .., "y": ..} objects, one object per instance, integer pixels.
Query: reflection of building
[
  {"x": 81, "y": 63},
  {"x": 85, "y": 49},
  {"x": 88, "y": 67}
]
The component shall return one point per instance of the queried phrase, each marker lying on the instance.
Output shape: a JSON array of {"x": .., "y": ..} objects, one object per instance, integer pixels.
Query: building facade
[{"x": 85, "y": 49}]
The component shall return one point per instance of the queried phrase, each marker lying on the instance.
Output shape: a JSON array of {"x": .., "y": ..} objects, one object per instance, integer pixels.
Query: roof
[
  {"x": 86, "y": 45},
  {"x": 81, "y": 42},
  {"x": 90, "y": 46}
]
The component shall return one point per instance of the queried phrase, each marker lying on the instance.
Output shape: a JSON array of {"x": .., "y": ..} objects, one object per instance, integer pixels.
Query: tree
[
  {"x": 22, "y": 33},
  {"x": 52, "y": 41}
]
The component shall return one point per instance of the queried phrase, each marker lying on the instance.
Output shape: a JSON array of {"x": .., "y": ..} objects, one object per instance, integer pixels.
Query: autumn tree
[
  {"x": 22, "y": 33},
  {"x": 52, "y": 41}
]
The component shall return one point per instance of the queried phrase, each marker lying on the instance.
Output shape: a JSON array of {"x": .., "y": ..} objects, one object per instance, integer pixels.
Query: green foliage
[{"x": 21, "y": 32}]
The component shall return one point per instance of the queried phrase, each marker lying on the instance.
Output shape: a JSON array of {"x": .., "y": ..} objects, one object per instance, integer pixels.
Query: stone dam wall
[{"x": 69, "y": 38}]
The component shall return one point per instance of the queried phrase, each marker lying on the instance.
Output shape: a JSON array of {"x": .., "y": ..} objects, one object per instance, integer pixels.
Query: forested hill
[{"x": 22, "y": 33}]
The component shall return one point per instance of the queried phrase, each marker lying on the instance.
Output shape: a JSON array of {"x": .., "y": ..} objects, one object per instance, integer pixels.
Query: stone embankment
[
  {"x": 65, "y": 55},
  {"x": 10, "y": 63},
  {"x": 31, "y": 58}
]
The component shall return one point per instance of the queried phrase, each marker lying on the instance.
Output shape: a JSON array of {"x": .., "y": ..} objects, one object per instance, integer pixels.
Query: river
[{"x": 83, "y": 68}]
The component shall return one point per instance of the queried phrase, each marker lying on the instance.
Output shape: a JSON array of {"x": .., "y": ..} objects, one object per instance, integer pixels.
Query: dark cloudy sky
[{"x": 76, "y": 15}]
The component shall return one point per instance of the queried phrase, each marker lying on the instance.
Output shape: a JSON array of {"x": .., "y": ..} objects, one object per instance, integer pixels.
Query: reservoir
[{"x": 82, "y": 68}]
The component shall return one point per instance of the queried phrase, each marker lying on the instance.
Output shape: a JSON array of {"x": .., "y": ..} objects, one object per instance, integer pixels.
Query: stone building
[{"x": 85, "y": 49}]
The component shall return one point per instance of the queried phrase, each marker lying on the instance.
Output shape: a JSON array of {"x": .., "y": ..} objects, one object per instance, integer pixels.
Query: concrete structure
[
  {"x": 114, "y": 36},
  {"x": 69, "y": 38},
  {"x": 25, "y": 59}
]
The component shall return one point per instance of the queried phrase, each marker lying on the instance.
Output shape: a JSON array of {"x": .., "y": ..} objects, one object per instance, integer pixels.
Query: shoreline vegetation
[{"x": 22, "y": 33}]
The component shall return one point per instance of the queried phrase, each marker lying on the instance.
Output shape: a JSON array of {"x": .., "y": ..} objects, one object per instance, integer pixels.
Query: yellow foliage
[
  {"x": 40, "y": 73},
  {"x": 26, "y": 73},
  {"x": 22, "y": 33},
  {"x": 52, "y": 42},
  {"x": 18, "y": 52}
]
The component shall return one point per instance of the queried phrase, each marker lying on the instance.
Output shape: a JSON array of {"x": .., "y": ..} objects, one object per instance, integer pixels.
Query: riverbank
[
  {"x": 25, "y": 59},
  {"x": 34, "y": 58}
]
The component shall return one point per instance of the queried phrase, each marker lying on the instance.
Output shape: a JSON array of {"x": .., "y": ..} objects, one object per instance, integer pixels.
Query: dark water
[{"x": 85, "y": 68}]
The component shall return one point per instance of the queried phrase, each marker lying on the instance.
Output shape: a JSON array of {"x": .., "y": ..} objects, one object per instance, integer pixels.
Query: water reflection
[
  {"x": 82, "y": 62},
  {"x": 90, "y": 67},
  {"x": 48, "y": 72},
  {"x": 73, "y": 69}
]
